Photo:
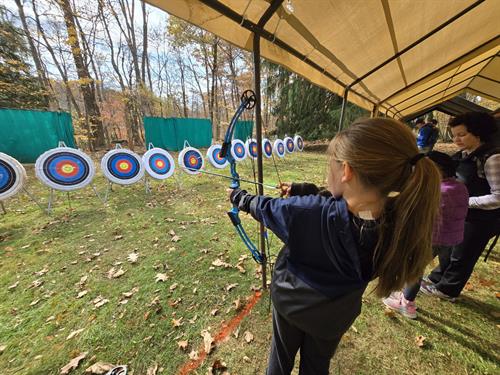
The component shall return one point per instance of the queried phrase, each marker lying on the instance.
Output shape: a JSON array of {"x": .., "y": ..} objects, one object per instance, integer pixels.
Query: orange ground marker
[{"x": 223, "y": 333}]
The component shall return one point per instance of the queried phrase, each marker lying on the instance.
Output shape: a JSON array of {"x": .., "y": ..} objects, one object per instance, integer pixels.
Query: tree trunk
[{"x": 94, "y": 116}]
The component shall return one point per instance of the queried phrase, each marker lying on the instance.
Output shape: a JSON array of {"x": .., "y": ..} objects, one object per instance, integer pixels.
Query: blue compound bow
[{"x": 248, "y": 101}]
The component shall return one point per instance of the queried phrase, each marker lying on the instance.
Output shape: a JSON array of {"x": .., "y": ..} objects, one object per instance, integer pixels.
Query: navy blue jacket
[{"x": 326, "y": 246}]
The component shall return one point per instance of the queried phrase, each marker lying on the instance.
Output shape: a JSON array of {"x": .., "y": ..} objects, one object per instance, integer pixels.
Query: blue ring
[
  {"x": 216, "y": 156},
  {"x": 280, "y": 148},
  {"x": 241, "y": 153},
  {"x": 7, "y": 177},
  {"x": 250, "y": 145},
  {"x": 290, "y": 145}
]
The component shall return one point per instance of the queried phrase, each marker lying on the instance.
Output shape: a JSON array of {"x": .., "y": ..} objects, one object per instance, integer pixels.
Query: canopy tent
[
  {"x": 453, "y": 107},
  {"x": 396, "y": 57}
]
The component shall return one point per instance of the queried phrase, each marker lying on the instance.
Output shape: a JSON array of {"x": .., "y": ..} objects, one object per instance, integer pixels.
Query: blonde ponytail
[{"x": 382, "y": 152}]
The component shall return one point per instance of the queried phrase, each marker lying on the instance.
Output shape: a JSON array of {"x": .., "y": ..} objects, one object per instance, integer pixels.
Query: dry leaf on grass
[
  {"x": 82, "y": 293},
  {"x": 214, "y": 312},
  {"x": 13, "y": 286},
  {"x": 220, "y": 263},
  {"x": 208, "y": 341},
  {"x": 99, "y": 301},
  {"x": 82, "y": 281},
  {"x": 152, "y": 370},
  {"x": 497, "y": 294},
  {"x": 420, "y": 341},
  {"x": 390, "y": 313},
  {"x": 118, "y": 237},
  {"x": 35, "y": 284},
  {"x": 176, "y": 239},
  {"x": 173, "y": 286},
  {"x": 161, "y": 277},
  {"x": 182, "y": 345},
  {"x": 113, "y": 274},
  {"x": 231, "y": 286},
  {"x": 42, "y": 272},
  {"x": 73, "y": 364},
  {"x": 193, "y": 355},
  {"x": 133, "y": 257},
  {"x": 99, "y": 368},
  {"x": 35, "y": 302},
  {"x": 248, "y": 337},
  {"x": 2, "y": 348},
  {"x": 177, "y": 322},
  {"x": 131, "y": 293},
  {"x": 469, "y": 287},
  {"x": 74, "y": 333}
]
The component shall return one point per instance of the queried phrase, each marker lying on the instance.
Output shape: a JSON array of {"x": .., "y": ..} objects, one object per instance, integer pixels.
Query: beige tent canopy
[{"x": 395, "y": 56}]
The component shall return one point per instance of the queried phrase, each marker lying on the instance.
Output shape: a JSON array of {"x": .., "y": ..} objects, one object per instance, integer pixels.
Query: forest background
[{"x": 110, "y": 63}]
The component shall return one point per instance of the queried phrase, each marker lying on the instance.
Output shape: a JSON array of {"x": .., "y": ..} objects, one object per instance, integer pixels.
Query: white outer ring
[
  {"x": 180, "y": 159},
  {"x": 285, "y": 141},
  {"x": 20, "y": 174},
  {"x": 275, "y": 148},
  {"x": 212, "y": 160},
  {"x": 39, "y": 172},
  {"x": 247, "y": 146},
  {"x": 264, "y": 141},
  {"x": 119, "y": 181},
  {"x": 145, "y": 162},
  {"x": 296, "y": 142},
  {"x": 233, "y": 143}
]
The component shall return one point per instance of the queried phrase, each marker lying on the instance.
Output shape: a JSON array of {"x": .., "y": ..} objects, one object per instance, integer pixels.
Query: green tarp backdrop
[
  {"x": 25, "y": 135},
  {"x": 170, "y": 133}
]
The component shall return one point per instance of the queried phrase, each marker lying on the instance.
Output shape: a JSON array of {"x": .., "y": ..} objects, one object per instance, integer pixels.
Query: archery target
[
  {"x": 267, "y": 148},
  {"x": 213, "y": 155},
  {"x": 191, "y": 160},
  {"x": 158, "y": 163},
  {"x": 279, "y": 148},
  {"x": 299, "y": 142},
  {"x": 289, "y": 144},
  {"x": 64, "y": 169},
  {"x": 238, "y": 150},
  {"x": 122, "y": 166},
  {"x": 252, "y": 148},
  {"x": 12, "y": 176}
]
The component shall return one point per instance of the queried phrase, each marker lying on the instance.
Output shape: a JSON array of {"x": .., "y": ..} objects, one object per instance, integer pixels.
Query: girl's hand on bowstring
[{"x": 285, "y": 188}]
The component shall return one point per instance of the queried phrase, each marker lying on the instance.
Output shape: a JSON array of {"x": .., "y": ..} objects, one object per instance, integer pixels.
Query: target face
[
  {"x": 299, "y": 142},
  {"x": 279, "y": 148},
  {"x": 122, "y": 166},
  {"x": 252, "y": 148},
  {"x": 158, "y": 163},
  {"x": 64, "y": 169},
  {"x": 12, "y": 176},
  {"x": 191, "y": 160},
  {"x": 289, "y": 144},
  {"x": 213, "y": 155},
  {"x": 238, "y": 150},
  {"x": 267, "y": 148}
]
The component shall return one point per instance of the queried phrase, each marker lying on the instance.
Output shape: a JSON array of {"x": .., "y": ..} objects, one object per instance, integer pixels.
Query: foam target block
[
  {"x": 289, "y": 144},
  {"x": 64, "y": 169},
  {"x": 191, "y": 160},
  {"x": 267, "y": 148},
  {"x": 122, "y": 166},
  {"x": 158, "y": 163},
  {"x": 252, "y": 148},
  {"x": 238, "y": 150},
  {"x": 12, "y": 176},
  {"x": 279, "y": 148},
  {"x": 299, "y": 142},
  {"x": 213, "y": 156}
]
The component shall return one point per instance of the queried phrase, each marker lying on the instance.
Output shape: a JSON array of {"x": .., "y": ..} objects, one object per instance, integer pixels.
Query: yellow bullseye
[
  {"x": 123, "y": 166},
  {"x": 68, "y": 168},
  {"x": 160, "y": 164}
]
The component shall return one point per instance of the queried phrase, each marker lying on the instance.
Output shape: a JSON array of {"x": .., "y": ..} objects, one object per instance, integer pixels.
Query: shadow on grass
[
  {"x": 480, "y": 307},
  {"x": 468, "y": 339}
]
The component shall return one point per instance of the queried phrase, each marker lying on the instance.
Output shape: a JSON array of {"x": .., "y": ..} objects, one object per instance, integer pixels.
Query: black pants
[
  {"x": 315, "y": 354},
  {"x": 456, "y": 266}
]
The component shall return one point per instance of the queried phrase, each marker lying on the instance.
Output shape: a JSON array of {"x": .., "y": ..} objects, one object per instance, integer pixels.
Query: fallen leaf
[
  {"x": 99, "y": 368},
  {"x": 13, "y": 286},
  {"x": 469, "y": 287},
  {"x": 34, "y": 302},
  {"x": 2, "y": 348},
  {"x": 497, "y": 294},
  {"x": 177, "y": 322},
  {"x": 220, "y": 263},
  {"x": 355, "y": 330},
  {"x": 82, "y": 293},
  {"x": 118, "y": 273},
  {"x": 420, "y": 341},
  {"x": 214, "y": 312},
  {"x": 73, "y": 364},
  {"x": 35, "y": 284},
  {"x": 133, "y": 257},
  {"x": 161, "y": 277},
  {"x": 74, "y": 333},
  {"x": 131, "y": 293},
  {"x": 182, "y": 345},
  {"x": 173, "y": 286},
  {"x": 152, "y": 370},
  {"x": 176, "y": 239},
  {"x": 119, "y": 237},
  {"x": 207, "y": 341},
  {"x": 248, "y": 337},
  {"x": 42, "y": 272},
  {"x": 231, "y": 286},
  {"x": 193, "y": 355},
  {"x": 390, "y": 313}
]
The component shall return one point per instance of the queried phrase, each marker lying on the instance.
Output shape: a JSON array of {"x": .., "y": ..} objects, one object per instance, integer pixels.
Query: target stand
[
  {"x": 64, "y": 169},
  {"x": 122, "y": 167}
]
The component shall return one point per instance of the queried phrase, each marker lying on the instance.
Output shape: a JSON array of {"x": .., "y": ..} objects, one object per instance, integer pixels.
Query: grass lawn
[{"x": 63, "y": 279}]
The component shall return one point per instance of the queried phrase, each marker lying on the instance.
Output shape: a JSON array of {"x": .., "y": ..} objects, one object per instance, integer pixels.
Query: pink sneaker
[{"x": 397, "y": 302}]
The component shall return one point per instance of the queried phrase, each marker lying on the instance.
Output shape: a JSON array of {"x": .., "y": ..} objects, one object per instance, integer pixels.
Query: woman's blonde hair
[{"x": 380, "y": 152}]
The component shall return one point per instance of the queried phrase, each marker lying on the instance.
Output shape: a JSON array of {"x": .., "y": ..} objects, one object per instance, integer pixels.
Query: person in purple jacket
[
  {"x": 448, "y": 231},
  {"x": 377, "y": 224}
]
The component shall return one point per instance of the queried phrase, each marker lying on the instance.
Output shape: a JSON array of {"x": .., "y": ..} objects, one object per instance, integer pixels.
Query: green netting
[
  {"x": 25, "y": 135},
  {"x": 170, "y": 133},
  {"x": 243, "y": 130}
]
